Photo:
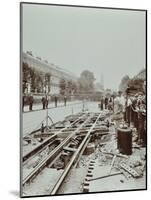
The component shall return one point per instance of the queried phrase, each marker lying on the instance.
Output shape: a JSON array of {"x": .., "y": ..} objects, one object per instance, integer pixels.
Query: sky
[{"x": 110, "y": 43}]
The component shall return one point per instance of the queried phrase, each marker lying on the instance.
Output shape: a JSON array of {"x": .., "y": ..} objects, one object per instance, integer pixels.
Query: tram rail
[{"x": 54, "y": 153}]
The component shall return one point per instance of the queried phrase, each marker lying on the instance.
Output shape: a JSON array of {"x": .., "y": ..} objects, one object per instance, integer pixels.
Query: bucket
[{"x": 124, "y": 140}]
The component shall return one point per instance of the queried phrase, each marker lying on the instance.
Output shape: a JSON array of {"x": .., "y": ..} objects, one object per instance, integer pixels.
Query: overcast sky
[{"x": 104, "y": 41}]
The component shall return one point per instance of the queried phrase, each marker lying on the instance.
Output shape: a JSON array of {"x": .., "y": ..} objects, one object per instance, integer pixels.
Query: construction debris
[{"x": 101, "y": 161}]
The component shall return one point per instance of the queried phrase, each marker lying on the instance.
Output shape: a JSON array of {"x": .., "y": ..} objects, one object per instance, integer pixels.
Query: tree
[
  {"x": 86, "y": 81},
  {"x": 74, "y": 87},
  {"x": 124, "y": 83},
  {"x": 69, "y": 87},
  {"x": 62, "y": 86},
  {"x": 39, "y": 82},
  {"x": 33, "y": 79},
  {"x": 136, "y": 85},
  {"x": 26, "y": 75},
  {"x": 26, "y": 72},
  {"x": 37, "y": 79},
  {"x": 47, "y": 81}
]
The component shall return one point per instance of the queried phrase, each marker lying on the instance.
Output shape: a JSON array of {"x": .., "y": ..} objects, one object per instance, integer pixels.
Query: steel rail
[
  {"x": 73, "y": 159},
  {"x": 52, "y": 155},
  {"x": 45, "y": 143},
  {"x": 38, "y": 152}
]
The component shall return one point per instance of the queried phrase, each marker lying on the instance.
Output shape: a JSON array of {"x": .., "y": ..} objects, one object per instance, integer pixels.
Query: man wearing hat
[{"x": 140, "y": 100}]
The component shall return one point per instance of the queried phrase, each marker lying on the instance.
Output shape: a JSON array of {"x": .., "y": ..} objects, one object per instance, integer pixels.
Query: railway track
[
  {"x": 84, "y": 127},
  {"x": 50, "y": 139},
  {"x": 75, "y": 158},
  {"x": 79, "y": 143},
  {"x": 56, "y": 151}
]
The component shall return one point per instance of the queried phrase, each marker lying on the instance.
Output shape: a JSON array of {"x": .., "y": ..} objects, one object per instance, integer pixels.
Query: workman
[{"x": 31, "y": 100}]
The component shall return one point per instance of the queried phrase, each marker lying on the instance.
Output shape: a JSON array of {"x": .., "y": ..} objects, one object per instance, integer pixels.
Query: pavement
[
  {"x": 51, "y": 105},
  {"x": 32, "y": 120}
]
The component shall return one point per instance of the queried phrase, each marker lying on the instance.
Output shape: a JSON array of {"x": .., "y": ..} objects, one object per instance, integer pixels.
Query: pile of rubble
[{"x": 108, "y": 159}]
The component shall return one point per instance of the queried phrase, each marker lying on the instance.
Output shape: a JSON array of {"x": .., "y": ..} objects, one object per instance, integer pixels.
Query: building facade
[{"x": 44, "y": 77}]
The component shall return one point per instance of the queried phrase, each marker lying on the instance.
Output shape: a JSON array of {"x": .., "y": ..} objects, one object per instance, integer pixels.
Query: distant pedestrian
[
  {"x": 43, "y": 102},
  {"x": 110, "y": 104},
  {"x": 47, "y": 101},
  {"x": 106, "y": 102},
  {"x": 65, "y": 100},
  {"x": 31, "y": 101},
  {"x": 23, "y": 103},
  {"x": 127, "y": 114},
  {"x": 42, "y": 128},
  {"x": 102, "y": 103},
  {"x": 56, "y": 100}
]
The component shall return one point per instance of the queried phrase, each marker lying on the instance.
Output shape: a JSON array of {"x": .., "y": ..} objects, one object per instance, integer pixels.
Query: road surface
[{"x": 32, "y": 120}]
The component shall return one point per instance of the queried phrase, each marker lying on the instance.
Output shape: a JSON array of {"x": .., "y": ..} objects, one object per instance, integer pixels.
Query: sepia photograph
[{"x": 82, "y": 99}]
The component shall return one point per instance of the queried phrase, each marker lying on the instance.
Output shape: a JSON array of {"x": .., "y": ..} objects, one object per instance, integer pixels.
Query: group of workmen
[
  {"x": 133, "y": 110},
  {"x": 112, "y": 102},
  {"x": 135, "y": 114},
  {"x": 29, "y": 100},
  {"x": 106, "y": 103},
  {"x": 45, "y": 101}
]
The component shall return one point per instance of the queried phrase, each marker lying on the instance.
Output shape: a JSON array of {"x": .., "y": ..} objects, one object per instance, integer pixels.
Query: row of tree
[
  {"x": 86, "y": 81},
  {"x": 67, "y": 87},
  {"x": 84, "y": 84},
  {"x": 39, "y": 82},
  {"x": 124, "y": 83}
]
